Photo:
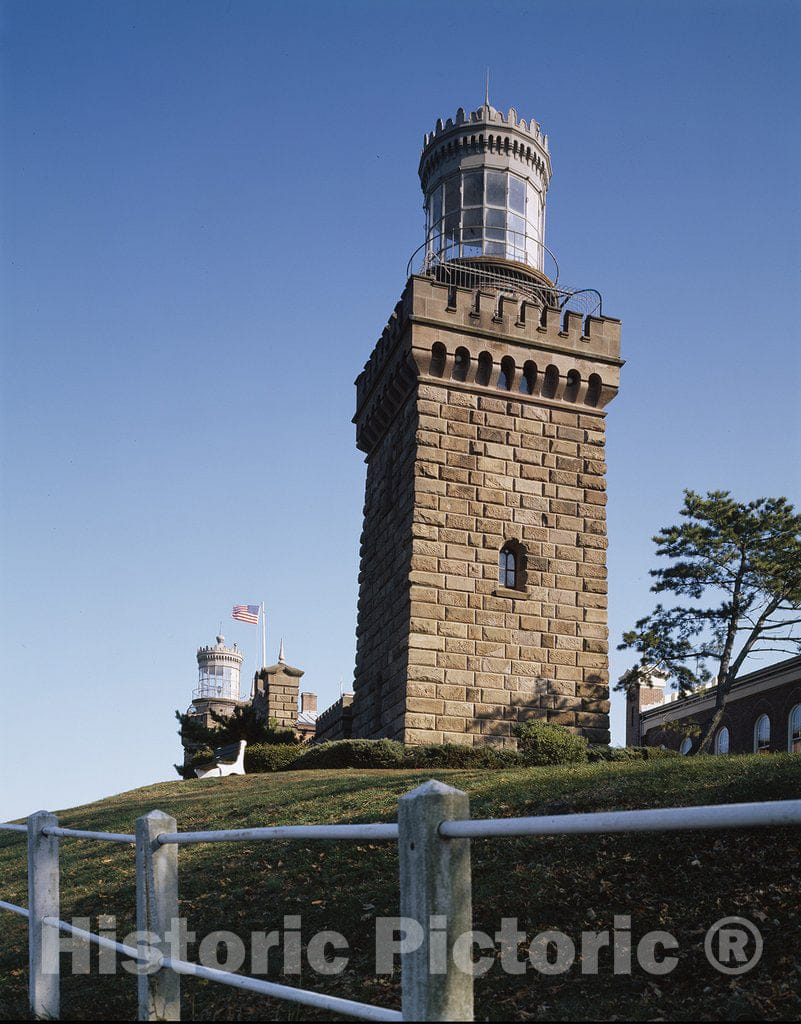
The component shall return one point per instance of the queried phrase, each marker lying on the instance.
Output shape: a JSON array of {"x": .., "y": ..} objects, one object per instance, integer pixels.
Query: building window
[
  {"x": 762, "y": 735},
  {"x": 794, "y": 730},
  {"x": 512, "y": 566},
  {"x": 686, "y": 746},
  {"x": 722, "y": 741},
  {"x": 507, "y": 568}
]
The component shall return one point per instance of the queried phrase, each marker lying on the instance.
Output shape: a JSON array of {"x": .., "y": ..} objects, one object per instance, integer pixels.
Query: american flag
[{"x": 246, "y": 613}]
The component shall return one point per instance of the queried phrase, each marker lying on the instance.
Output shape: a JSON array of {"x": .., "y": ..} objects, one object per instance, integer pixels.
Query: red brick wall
[{"x": 740, "y": 716}]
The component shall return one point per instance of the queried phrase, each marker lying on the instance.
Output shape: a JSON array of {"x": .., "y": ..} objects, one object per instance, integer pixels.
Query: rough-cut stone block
[
  {"x": 417, "y": 721},
  {"x": 421, "y": 736}
]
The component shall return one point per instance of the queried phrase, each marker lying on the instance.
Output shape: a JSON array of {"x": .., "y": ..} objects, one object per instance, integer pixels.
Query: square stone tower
[
  {"x": 275, "y": 693},
  {"x": 481, "y": 413}
]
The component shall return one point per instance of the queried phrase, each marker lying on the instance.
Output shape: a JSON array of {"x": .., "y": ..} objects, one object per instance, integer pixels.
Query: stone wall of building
[
  {"x": 497, "y": 437},
  {"x": 386, "y": 551},
  {"x": 201, "y": 709},
  {"x": 482, "y": 657},
  {"x": 276, "y": 694},
  {"x": 336, "y": 722}
]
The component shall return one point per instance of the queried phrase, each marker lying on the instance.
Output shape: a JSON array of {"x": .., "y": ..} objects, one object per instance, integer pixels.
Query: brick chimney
[{"x": 647, "y": 693}]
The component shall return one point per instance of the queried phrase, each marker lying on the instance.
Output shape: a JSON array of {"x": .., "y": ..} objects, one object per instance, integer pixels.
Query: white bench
[{"x": 227, "y": 760}]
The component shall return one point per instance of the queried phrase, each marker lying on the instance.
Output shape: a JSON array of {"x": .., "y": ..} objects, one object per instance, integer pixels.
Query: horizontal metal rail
[
  {"x": 348, "y": 1007},
  {"x": 754, "y": 815},
  {"x": 431, "y": 812},
  {"x": 14, "y": 908},
  {"x": 77, "y": 833},
  {"x": 97, "y": 940},
  {"x": 364, "y": 1011},
  {"x": 372, "y": 832}
]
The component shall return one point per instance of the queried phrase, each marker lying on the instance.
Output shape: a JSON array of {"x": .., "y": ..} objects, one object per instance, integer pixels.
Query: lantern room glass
[
  {"x": 486, "y": 212},
  {"x": 218, "y": 681}
]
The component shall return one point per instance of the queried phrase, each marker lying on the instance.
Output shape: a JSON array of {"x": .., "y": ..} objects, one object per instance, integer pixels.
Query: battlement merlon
[
  {"x": 431, "y": 313},
  {"x": 325, "y": 718},
  {"x": 495, "y": 314},
  {"x": 489, "y": 114},
  {"x": 485, "y": 130},
  {"x": 219, "y": 655}
]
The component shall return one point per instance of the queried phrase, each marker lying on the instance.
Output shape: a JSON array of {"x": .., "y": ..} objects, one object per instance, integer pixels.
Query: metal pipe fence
[{"x": 433, "y": 833}]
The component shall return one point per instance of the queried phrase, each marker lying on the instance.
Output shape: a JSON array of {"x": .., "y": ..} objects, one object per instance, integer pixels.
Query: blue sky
[{"x": 207, "y": 211}]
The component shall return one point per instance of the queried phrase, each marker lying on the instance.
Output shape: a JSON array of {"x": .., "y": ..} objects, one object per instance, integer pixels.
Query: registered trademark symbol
[{"x": 733, "y": 945}]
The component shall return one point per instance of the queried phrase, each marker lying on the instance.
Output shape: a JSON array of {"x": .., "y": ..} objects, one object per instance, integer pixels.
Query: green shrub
[
  {"x": 654, "y": 753},
  {"x": 597, "y": 752},
  {"x": 270, "y": 757},
  {"x": 457, "y": 755},
  {"x": 351, "y": 754},
  {"x": 542, "y": 743},
  {"x": 202, "y": 756}
]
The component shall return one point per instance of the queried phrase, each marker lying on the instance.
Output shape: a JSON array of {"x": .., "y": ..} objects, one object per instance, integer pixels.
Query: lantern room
[{"x": 485, "y": 176}]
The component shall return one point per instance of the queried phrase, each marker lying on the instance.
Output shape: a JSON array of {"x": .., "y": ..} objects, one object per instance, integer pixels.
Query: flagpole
[{"x": 263, "y": 637}]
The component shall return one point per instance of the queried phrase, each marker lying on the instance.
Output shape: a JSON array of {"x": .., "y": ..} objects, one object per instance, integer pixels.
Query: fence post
[
  {"x": 43, "y": 901},
  {"x": 156, "y": 913},
  {"x": 435, "y": 891}
]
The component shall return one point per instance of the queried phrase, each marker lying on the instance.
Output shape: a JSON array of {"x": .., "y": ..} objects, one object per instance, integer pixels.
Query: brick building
[
  {"x": 762, "y": 713},
  {"x": 481, "y": 413}
]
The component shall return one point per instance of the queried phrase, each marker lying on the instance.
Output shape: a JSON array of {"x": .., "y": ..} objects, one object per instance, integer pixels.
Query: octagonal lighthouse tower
[{"x": 481, "y": 413}]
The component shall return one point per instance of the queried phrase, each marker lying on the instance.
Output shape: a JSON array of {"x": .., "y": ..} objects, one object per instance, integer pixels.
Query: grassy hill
[{"x": 679, "y": 883}]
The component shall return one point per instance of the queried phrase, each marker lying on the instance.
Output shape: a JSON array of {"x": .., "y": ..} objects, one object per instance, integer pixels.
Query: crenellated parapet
[
  {"x": 387, "y": 378},
  {"x": 384, "y": 347},
  {"x": 511, "y": 318},
  {"x": 219, "y": 654},
  {"x": 489, "y": 115},
  {"x": 336, "y": 721},
  {"x": 208, "y": 657},
  {"x": 490, "y": 341},
  {"x": 485, "y": 131}
]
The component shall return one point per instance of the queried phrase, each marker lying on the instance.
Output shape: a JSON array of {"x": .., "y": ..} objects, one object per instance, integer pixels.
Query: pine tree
[{"x": 741, "y": 565}]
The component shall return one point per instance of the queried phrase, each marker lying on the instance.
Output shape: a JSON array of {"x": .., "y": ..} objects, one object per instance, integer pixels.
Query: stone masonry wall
[
  {"x": 481, "y": 658},
  {"x": 482, "y": 417},
  {"x": 336, "y": 722},
  {"x": 383, "y": 611},
  {"x": 276, "y": 695}
]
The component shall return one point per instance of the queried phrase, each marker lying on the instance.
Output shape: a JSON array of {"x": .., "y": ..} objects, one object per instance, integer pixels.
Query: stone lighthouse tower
[{"x": 481, "y": 412}]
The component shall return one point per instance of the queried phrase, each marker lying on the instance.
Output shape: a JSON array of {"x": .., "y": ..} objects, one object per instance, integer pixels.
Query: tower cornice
[
  {"x": 493, "y": 322},
  {"x": 485, "y": 130}
]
